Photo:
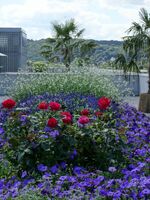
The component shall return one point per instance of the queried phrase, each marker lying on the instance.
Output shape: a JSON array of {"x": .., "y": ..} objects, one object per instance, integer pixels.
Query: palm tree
[
  {"x": 140, "y": 38},
  {"x": 126, "y": 63},
  {"x": 67, "y": 40}
]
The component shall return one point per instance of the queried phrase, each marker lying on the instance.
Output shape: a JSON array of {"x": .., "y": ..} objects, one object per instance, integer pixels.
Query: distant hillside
[{"x": 104, "y": 52}]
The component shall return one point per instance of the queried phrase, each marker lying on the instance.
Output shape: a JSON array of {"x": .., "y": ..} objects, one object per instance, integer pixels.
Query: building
[{"x": 13, "y": 48}]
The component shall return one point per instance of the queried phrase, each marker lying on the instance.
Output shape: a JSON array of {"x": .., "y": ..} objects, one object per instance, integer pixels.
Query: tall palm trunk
[
  {"x": 67, "y": 59},
  {"x": 149, "y": 77}
]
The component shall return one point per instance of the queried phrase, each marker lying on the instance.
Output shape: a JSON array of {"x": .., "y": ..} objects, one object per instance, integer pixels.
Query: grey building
[{"x": 13, "y": 44}]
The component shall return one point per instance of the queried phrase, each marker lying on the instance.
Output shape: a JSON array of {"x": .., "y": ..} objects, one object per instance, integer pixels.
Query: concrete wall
[{"x": 138, "y": 84}]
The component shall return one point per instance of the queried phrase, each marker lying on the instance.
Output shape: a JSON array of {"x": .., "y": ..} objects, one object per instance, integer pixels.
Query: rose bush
[{"x": 48, "y": 133}]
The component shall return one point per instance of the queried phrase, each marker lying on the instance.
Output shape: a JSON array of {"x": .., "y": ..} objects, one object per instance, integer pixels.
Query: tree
[
  {"x": 139, "y": 40},
  {"x": 127, "y": 63},
  {"x": 66, "y": 42}
]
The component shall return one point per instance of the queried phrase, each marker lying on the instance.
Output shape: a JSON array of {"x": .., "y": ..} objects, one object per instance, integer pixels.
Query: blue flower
[
  {"x": 73, "y": 154},
  {"x": 1, "y": 130},
  {"x": 23, "y": 118},
  {"x": 54, "y": 169},
  {"x": 43, "y": 136},
  {"x": 47, "y": 129},
  {"x": 146, "y": 191},
  {"x": 63, "y": 165},
  {"x": 54, "y": 133},
  {"x": 46, "y": 175},
  {"x": 24, "y": 174},
  {"x": 78, "y": 170},
  {"x": 112, "y": 169},
  {"x": 42, "y": 168}
]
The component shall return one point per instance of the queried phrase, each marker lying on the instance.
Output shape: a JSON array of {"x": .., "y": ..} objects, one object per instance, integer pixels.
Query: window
[{"x": 3, "y": 41}]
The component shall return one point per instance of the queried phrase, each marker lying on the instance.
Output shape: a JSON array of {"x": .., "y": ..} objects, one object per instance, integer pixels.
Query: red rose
[
  {"x": 83, "y": 119},
  {"x": 52, "y": 122},
  {"x": 85, "y": 112},
  {"x": 67, "y": 120},
  {"x": 8, "y": 103},
  {"x": 54, "y": 106},
  {"x": 98, "y": 114},
  {"x": 43, "y": 105},
  {"x": 104, "y": 103},
  {"x": 64, "y": 114}
]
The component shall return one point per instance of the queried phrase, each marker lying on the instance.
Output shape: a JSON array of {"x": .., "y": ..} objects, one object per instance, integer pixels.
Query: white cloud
[{"x": 102, "y": 19}]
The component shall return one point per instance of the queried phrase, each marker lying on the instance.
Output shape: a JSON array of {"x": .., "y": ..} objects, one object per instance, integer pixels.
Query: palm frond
[
  {"x": 144, "y": 15},
  {"x": 136, "y": 28},
  {"x": 57, "y": 29},
  {"x": 79, "y": 34}
]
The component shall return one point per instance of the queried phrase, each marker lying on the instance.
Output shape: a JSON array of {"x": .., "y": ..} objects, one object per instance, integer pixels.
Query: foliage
[
  {"x": 126, "y": 63},
  {"x": 38, "y": 66},
  {"x": 85, "y": 82},
  {"x": 34, "y": 49},
  {"x": 66, "y": 41},
  {"x": 30, "y": 195},
  {"x": 104, "y": 50},
  {"x": 140, "y": 38},
  {"x": 65, "y": 181},
  {"x": 31, "y": 141},
  {"x": 54, "y": 83}
]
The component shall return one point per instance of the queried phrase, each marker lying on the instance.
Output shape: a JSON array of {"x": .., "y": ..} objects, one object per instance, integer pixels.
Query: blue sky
[{"x": 102, "y": 19}]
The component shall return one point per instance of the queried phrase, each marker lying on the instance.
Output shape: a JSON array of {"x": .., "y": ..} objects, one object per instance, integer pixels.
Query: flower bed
[{"x": 73, "y": 146}]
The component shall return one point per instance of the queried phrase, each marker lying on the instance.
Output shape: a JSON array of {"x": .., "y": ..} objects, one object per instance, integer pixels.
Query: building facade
[{"x": 13, "y": 44}]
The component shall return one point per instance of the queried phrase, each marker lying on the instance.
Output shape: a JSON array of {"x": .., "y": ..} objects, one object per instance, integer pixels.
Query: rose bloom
[
  {"x": 66, "y": 114},
  {"x": 83, "y": 119},
  {"x": 54, "y": 106},
  {"x": 85, "y": 112},
  {"x": 8, "y": 103},
  {"x": 98, "y": 114},
  {"x": 52, "y": 122},
  {"x": 104, "y": 103},
  {"x": 67, "y": 120},
  {"x": 43, "y": 105}
]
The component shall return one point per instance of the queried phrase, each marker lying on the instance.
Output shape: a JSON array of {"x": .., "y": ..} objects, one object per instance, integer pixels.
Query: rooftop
[{"x": 10, "y": 29}]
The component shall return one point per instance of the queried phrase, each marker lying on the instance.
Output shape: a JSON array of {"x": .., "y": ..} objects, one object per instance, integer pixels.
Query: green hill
[{"x": 104, "y": 51}]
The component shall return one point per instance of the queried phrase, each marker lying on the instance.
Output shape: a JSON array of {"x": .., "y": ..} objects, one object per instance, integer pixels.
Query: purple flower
[
  {"x": 43, "y": 136},
  {"x": 98, "y": 180},
  {"x": 27, "y": 181},
  {"x": 46, "y": 175},
  {"x": 54, "y": 169},
  {"x": 24, "y": 174},
  {"x": 63, "y": 178},
  {"x": 40, "y": 185},
  {"x": 73, "y": 154},
  {"x": 112, "y": 169},
  {"x": 42, "y": 168},
  {"x": 1, "y": 130},
  {"x": 23, "y": 118},
  {"x": 47, "y": 129},
  {"x": 78, "y": 170},
  {"x": 146, "y": 191},
  {"x": 63, "y": 165},
  {"x": 54, "y": 133},
  {"x": 117, "y": 195}
]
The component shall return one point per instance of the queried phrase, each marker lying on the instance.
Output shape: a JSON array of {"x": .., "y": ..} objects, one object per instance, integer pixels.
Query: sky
[{"x": 102, "y": 19}]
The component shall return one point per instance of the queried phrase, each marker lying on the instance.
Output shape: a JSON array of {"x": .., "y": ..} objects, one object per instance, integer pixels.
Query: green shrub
[
  {"x": 39, "y": 66},
  {"x": 85, "y": 83}
]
